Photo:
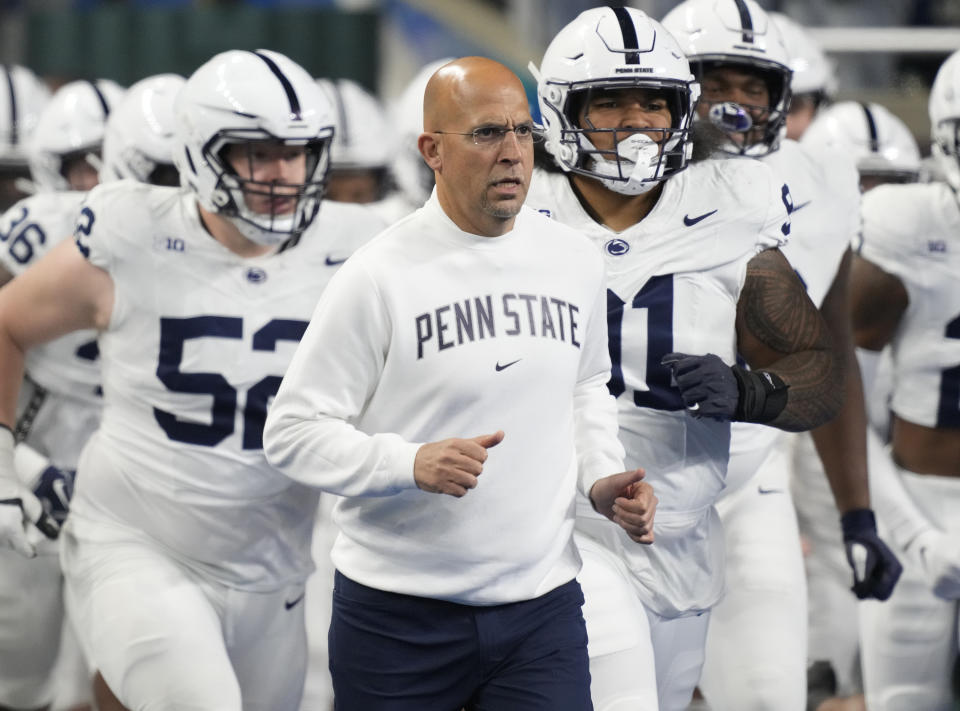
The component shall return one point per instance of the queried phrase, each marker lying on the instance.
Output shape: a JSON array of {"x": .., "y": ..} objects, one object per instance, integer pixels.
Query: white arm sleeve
[{"x": 310, "y": 434}]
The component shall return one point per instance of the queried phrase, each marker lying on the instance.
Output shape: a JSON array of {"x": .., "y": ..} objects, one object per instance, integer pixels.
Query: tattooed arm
[{"x": 780, "y": 329}]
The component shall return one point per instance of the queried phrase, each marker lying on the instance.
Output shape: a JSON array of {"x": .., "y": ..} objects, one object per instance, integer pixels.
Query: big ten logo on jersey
[
  {"x": 642, "y": 325},
  {"x": 164, "y": 243},
  {"x": 22, "y": 237},
  {"x": 216, "y": 343},
  {"x": 482, "y": 317}
]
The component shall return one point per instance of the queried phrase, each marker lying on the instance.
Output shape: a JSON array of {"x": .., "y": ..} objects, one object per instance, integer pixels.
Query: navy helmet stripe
[
  {"x": 103, "y": 100},
  {"x": 746, "y": 22},
  {"x": 287, "y": 86},
  {"x": 871, "y": 128},
  {"x": 14, "y": 137},
  {"x": 629, "y": 33}
]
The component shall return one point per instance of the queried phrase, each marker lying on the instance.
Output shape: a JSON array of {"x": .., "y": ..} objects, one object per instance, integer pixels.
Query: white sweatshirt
[{"x": 429, "y": 332}]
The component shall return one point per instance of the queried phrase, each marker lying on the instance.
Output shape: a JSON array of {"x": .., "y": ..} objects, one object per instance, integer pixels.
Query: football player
[
  {"x": 20, "y": 107},
  {"x": 363, "y": 145},
  {"x": 694, "y": 267},
  {"x": 413, "y": 176},
  {"x": 884, "y": 151},
  {"x": 881, "y": 144},
  {"x": 59, "y": 405},
  {"x": 905, "y": 295},
  {"x": 739, "y": 57},
  {"x": 64, "y": 151},
  {"x": 813, "y": 82},
  {"x": 185, "y": 554}
]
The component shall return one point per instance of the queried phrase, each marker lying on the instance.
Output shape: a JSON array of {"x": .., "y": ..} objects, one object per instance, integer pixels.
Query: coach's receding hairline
[{"x": 446, "y": 89}]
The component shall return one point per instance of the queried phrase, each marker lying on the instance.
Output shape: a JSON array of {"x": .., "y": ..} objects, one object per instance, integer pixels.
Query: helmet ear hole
[{"x": 220, "y": 197}]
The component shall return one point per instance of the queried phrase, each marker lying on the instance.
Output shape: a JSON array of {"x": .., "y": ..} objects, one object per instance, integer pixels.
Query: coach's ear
[{"x": 429, "y": 148}]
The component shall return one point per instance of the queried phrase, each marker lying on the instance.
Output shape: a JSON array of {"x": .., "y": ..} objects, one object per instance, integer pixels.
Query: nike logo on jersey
[
  {"x": 290, "y": 604},
  {"x": 507, "y": 365},
  {"x": 761, "y": 490},
  {"x": 800, "y": 206},
  {"x": 691, "y": 221},
  {"x": 333, "y": 262}
]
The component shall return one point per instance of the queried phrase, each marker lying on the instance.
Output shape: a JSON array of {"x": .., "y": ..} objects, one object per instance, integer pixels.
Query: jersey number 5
[{"x": 174, "y": 333}]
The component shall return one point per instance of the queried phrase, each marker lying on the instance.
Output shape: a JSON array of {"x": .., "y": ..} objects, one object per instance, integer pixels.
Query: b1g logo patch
[{"x": 617, "y": 247}]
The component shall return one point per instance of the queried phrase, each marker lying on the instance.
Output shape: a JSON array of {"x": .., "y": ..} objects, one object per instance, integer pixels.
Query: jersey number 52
[{"x": 174, "y": 333}]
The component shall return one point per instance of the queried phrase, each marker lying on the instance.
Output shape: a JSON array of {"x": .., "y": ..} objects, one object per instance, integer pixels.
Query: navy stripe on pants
[{"x": 392, "y": 652}]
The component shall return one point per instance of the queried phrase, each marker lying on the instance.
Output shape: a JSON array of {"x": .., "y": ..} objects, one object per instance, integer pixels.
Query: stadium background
[{"x": 884, "y": 50}]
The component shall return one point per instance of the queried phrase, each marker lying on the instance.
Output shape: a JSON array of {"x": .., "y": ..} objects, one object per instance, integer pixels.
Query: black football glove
[{"x": 875, "y": 567}]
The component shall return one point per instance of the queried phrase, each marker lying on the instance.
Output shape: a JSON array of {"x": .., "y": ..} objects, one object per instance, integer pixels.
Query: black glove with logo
[
  {"x": 711, "y": 388},
  {"x": 875, "y": 567}
]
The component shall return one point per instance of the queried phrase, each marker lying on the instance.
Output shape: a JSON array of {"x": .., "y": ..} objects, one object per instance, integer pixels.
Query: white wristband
[
  {"x": 7, "y": 445},
  {"x": 29, "y": 464}
]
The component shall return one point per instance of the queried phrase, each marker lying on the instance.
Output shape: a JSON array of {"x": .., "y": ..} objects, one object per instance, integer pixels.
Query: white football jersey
[
  {"x": 198, "y": 341},
  {"x": 913, "y": 232},
  {"x": 824, "y": 202},
  {"x": 66, "y": 369},
  {"x": 673, "y": 281}
]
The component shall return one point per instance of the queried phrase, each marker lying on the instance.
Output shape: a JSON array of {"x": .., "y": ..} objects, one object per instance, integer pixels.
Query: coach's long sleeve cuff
[{"x": 332, "y": 455}]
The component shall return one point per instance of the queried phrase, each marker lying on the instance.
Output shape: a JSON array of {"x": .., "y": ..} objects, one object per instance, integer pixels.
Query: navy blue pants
[{"x": 392, "y": 652}]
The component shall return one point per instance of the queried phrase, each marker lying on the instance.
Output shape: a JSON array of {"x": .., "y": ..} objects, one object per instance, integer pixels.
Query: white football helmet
[
  {"x": 71, "y": 127},
  {"x": 414, "y": 177},
  {"x": 363, "y": 139},
  {"x": 249, "y": 98},
  {"x": 139, "y": 139},
  {"x": 22, "y": 98},
  {"x": 611, "y": 49},
  {"x": 945, "y": 119},
  {"x": 813, "y": 72},
  {"x": 880, "y": 143},
  {"x": 738, "y": 34}
]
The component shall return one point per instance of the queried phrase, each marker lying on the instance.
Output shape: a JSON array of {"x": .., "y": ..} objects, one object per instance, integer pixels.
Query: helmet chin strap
[{"x": 637, "y": 150}]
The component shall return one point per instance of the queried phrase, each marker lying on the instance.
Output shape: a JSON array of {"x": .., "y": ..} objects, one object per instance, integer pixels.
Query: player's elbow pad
[{"x": 763, "y": 395}]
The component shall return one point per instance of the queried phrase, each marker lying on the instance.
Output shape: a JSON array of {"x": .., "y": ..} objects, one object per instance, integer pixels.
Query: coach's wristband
[{"x": 763, "y": 395}]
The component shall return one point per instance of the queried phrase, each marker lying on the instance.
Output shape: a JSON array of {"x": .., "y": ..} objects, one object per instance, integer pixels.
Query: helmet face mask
[
  {"x": 617, "y": 55},
  {"x": 632, "y": 158},
  {"x": 762, "y": 133},
  {"x": 284, "y": 207}
]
